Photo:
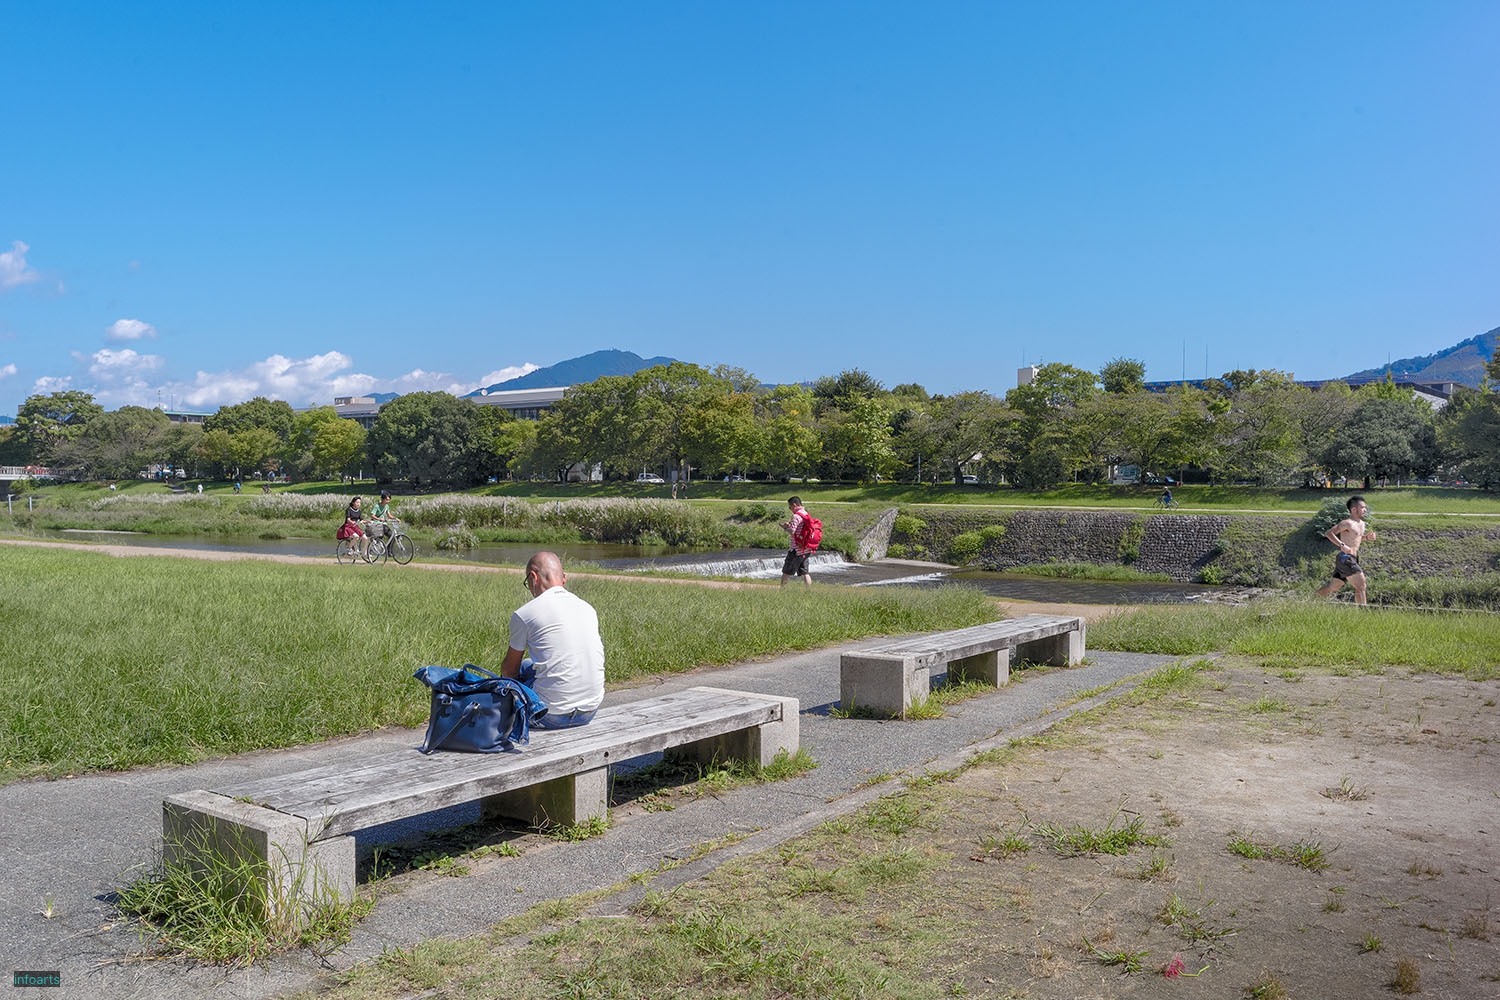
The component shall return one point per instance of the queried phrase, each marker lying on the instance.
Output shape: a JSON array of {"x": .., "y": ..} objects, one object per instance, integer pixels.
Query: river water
[{"x": 827, "y": 568}]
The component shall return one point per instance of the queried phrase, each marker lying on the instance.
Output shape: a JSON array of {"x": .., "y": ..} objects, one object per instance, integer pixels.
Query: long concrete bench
[
  {"x": 888, "y": 679},
  {"x": 300, "y": 824}
]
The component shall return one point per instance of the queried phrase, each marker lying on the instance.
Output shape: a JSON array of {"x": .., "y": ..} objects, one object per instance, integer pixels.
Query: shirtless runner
[{"x": 1347, "y": 535}]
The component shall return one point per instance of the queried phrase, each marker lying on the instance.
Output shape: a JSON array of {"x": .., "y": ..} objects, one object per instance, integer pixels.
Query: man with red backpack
[{"x": 806, "y": 534}]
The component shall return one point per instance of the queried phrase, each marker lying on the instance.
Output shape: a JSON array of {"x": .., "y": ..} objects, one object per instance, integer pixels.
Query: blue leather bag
[{"x": 474, "y": 711}]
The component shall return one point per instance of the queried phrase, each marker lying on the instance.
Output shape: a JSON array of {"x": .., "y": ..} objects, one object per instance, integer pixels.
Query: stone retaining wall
[{"x": 1179, "y": 545}]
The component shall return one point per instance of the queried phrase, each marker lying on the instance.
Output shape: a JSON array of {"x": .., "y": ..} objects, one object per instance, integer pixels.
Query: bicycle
[
  {"x": 347, "y": 551},
  {"x": 1166, "y": 504},
  {"x": 397, "y": 545}
]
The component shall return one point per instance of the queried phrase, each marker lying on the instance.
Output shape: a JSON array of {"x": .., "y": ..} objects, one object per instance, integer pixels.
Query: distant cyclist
[
  {"x": 1166, "y": 497},
  {"x": 381, "y": 516},
  {"x": 354, "y": 528}
]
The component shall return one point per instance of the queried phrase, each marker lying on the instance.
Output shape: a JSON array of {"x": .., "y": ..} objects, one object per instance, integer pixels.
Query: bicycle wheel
[
  {"x": 377, "y": 550},
  {"x": 347, "y": 551},
  {"x": 402, "y": 549}
]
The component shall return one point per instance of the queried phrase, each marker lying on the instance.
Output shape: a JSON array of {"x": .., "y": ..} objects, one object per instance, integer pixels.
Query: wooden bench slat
[
  {"x": 961, "y": 643},
  {"x": 341, "y": 798}
]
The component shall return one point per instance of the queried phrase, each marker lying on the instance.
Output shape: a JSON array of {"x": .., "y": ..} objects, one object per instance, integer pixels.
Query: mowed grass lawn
[{"x": 113, "y": 662}]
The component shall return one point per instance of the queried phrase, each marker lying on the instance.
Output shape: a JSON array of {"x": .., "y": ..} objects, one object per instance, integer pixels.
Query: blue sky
[{"x": 203, "y": 202}]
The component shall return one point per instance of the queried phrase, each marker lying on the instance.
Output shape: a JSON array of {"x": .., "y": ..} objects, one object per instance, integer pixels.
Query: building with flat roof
[
  {"x": 361, "y": 409},
  {"x": 524, "y": 404},
  {"x": 186, "y": 416},
  {"x": 1434, "y": 394}
]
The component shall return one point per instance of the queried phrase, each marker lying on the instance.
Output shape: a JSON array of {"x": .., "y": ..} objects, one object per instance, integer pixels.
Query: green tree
[
  {"x": 45, "y": 421},
  {"x": 967, "y": 425},
  {"x": 1388, "y": 436},
  {"x": 723, "y": 434},
  {"x": 1261, "y": 432},
  {"x": 274, "y": 415},
  {"x": 11, "y": 450},
  {"x": 790, "y": 446},
  {"x": 856, "y": 439},
  {"x": 335, "y": 447},
  {"x": 1320, "y": 413},
  {"x": 425, "y": 437},
  {"x": 298, "y": 455},
  {"x": 1123, "y": 375},
  {"x": 1042, "y": 408},
  {"x": 116, "y": 445},
  {"x": 841, "y": 391}
]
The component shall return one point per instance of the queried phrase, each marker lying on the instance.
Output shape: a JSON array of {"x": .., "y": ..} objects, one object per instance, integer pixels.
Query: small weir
[{"x": 742, "y": 564}]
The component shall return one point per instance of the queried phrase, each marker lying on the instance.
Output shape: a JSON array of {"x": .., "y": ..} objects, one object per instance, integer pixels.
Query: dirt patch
[{"x": 1385, "y": 789}]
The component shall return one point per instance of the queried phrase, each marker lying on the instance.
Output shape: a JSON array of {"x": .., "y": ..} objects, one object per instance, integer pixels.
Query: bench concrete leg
[
  {"x": 201, "y": 829},
  {"x": 985, "y": 668},
  {"x": 757, "y": 746},
  {"x": 1062, "y": 650},
  {"x": 881, "y": 685},
  {"x": 565, "y": 801}
]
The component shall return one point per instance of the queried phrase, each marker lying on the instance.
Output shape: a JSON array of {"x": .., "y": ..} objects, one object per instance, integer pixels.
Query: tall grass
[
  {"x": 115, "y": 663},
  {"x": 1316, "y": 634}
]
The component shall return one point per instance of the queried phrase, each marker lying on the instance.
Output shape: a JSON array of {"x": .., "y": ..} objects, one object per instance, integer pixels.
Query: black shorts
[
  {"x": 1345, "y": 566},
  {"x": 795, "y": 565}
]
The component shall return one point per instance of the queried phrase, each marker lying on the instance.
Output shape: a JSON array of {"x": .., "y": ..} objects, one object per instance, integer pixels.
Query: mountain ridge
[
  {"x": 576, "y": 371},
  {"x": 1463, "y": 362}
]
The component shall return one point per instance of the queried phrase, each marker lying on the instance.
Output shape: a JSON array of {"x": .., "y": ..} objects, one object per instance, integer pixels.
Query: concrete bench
[
  {"x": 300, "y": 824},
  {"x": 888, "y": 679}
]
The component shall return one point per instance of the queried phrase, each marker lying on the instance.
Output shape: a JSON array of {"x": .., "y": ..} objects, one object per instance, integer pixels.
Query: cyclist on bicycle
[
  {"x": 381, "y": 516},
  {"x": 354, "y": 527},
  {"x": 1166, "y": 496}
]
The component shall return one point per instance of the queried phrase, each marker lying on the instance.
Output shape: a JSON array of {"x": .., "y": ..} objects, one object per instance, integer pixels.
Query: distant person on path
[
  {"x": 354, "y": 528},
  {"x": 674, "y": 491},
  {"x": 200, "y": 487},
  {"x": 1348, "y": 534},
  {"x": 1166, "y": 496},
  {"x": 560, "y": 631},
  {"x": 797, "y": 555}
]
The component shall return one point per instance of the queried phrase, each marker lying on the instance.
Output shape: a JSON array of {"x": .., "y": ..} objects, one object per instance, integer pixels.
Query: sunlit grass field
[{"x": 121, "y": 662}]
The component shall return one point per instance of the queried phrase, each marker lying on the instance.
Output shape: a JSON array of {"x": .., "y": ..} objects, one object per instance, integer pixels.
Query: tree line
[{"x": 1067, "y": 425}]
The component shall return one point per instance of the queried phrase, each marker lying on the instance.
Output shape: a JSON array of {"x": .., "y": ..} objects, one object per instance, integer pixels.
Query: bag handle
[{"x": 431, "y": 745}]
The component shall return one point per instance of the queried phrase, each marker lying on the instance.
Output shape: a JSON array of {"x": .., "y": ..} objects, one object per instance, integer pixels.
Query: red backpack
[{"x": 809, "y": 534}]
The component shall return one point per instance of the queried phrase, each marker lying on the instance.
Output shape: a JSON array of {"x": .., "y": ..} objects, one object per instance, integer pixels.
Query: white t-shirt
[{"x": 560, "y": 632}]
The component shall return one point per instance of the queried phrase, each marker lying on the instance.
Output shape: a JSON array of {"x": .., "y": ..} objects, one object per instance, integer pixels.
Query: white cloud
[
  {"x": 125, "y": 377},
  {"x": 51, "y": 383},
  {"x": 107, "y": 364},
  {"x": 129, "y": 329},
  {"x": 506, "y": 374},
  {"x": 14, "y": 270},
  {"x": 6, "y": 371}
]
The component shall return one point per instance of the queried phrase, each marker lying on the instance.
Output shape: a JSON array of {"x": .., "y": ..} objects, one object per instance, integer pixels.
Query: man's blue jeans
[{"x": 553, "y": 720}]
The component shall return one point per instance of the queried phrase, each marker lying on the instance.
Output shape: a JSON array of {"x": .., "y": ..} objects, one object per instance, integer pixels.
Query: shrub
[
  {"x": 965, "y": 548},
  {"x": 1332, "y": 512},
  {"x": 458, "y": 538},
  {"x": 992, "y": 532},
  {"x": 909, "y": 526},
  {"x": 1130, "y": 541}
]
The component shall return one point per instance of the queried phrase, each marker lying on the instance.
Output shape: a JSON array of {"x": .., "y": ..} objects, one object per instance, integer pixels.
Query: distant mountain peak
[
  {"x": 576, "y": 371},
  {"x": 1463, "y": 362}
]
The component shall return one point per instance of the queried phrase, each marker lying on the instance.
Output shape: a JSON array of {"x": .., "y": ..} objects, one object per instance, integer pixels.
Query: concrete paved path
[{"x": 73, "y": 841}]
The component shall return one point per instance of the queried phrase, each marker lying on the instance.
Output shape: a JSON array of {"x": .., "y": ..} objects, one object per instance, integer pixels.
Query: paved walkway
[{"x": 73, "y": 841}]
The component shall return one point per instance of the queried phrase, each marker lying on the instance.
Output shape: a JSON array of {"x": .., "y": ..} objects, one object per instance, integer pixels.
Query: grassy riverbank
[
  {"x": 1299, "y": 632},
  {"x": 117, "y": 663}
]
